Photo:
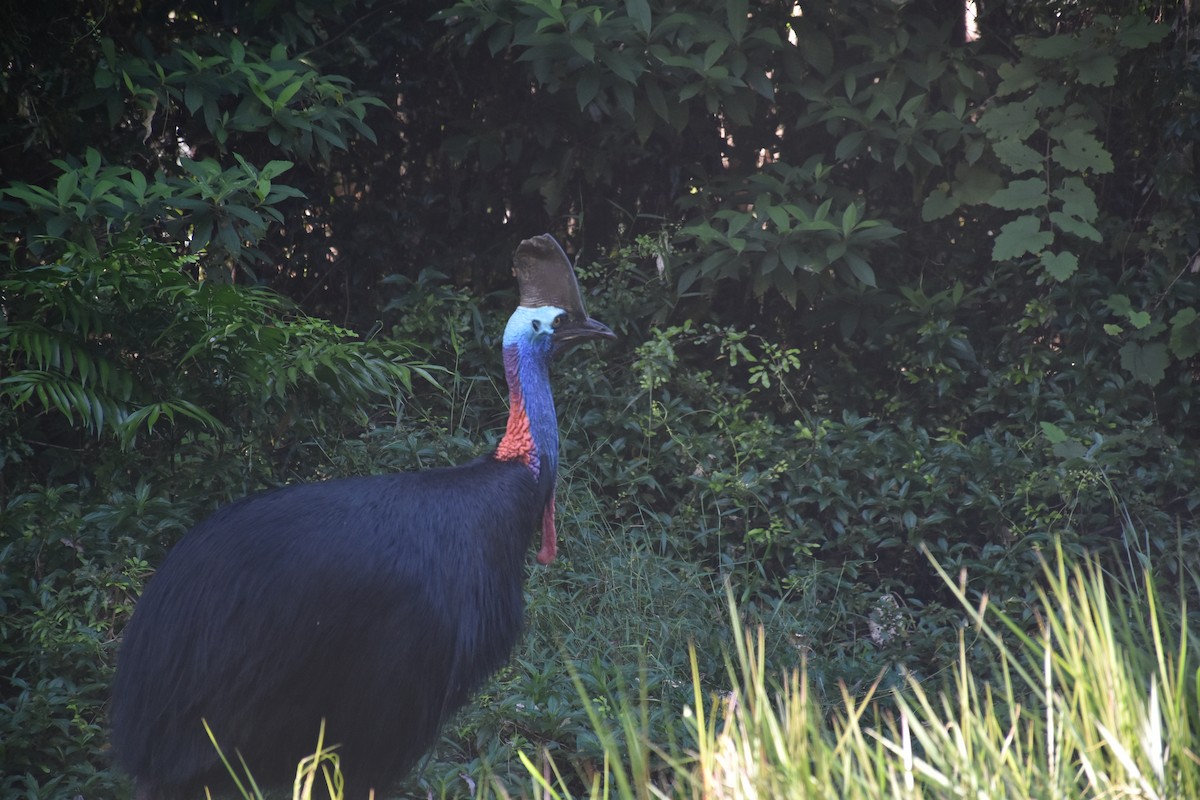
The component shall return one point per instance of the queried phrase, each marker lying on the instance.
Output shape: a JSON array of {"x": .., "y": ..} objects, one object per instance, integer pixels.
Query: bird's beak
[{"x": 571, "y": 333}]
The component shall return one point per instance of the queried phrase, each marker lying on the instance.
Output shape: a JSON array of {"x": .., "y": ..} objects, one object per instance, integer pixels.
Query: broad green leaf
[
  {"x": 937, "y": 205},
  {"x": 1185, "y": 333},
  {"x": 639, "y": 12},
  {"x": 874, "y": 230},
  {"x": 1137, "y": 31},
  {"x": 35, "y": 196},
  {"x": 737, "y": 12},
  {"x": 584, "y": 47},
  {"x": 1058, "y": 46},
  {"x": 814, "y": 47},
  {"x": 1053, "y": 433},
  {"x": 1060, "y": 265},
  {"x": 193, "y": 96},
  {"x": 1020, "y": 236},
  {"x": 1016, "y": 155},
  {"x": 1100, "y": 69},
  {"x": 288, "y": 93},
  {"x": 861, "y": 269},
  {"x": 275, "y": 168},
  {"x": 1081, "y": 151},
  {"x": 1069, "y": 449},
  {"x": 587, "y": 88},
  {"x": 714, "y": 53},
  {"x": 1009, "y": 121},
  {"x": 1018, "y": 195},
  {"x": 975, "y": 184},
  {"x": 780, "y": 217},
  {"x": 67, "y": 183},
  {"x": 848, "y": 145},
  {"x": 1049, "y": 95},
  {"x": 1146, "y": 362},
  {"x": 137, "y": 183},
  {"x": 1119, "y": 304},
  {"x": 658, "y": 101},
  {"x": 1016, "y": 77},
  {"x": 849, "y": 219},
  {"x": 1075, "y": 227},
  {"x": 1078, "y": 199}
]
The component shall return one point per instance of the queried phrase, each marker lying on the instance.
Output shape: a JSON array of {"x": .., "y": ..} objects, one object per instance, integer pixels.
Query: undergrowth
[{"x": 1099, "y": 700}]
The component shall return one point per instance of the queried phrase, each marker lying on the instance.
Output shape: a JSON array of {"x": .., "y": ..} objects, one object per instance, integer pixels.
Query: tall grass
[{"x": 1100, "y": 703}]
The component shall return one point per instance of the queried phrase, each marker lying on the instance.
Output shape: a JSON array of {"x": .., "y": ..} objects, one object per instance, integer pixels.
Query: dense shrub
[{"x": 881, "y": 290}]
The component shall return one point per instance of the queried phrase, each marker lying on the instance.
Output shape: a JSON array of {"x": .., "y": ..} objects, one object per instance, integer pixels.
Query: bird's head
[
  {"x": 551, "y": 317},
  {"x": 550, "y": 330}
]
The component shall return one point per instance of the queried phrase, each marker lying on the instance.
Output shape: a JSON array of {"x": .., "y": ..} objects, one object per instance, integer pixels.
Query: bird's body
[{"x": 374, "y": 605}]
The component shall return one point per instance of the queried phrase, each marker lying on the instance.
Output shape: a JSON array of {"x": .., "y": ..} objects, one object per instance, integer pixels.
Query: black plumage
[{"x": 375, "y": 604}]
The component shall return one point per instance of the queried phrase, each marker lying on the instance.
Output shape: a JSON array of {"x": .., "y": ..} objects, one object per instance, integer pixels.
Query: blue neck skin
[{"x": 527, "y": 368}]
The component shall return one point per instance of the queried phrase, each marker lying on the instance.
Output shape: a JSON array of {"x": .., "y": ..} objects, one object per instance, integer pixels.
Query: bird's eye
[{"x": 557, "y": 321}]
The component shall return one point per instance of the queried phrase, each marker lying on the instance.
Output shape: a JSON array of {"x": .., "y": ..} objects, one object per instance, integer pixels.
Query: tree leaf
[
  {"x": 1081, "y": 151},
  {"x": 1016, "y": 155},
  {"x": 584, "y": 47},
  {"x": 1053, "y": 433},
  {"x": 639, "y": 12},
  {"x": 1016, "y": 77},
  {"x": 1023, "y": 235},
  {"x": 1076, "y": 227},
  {"x": 814, "y": 46},
  {"x": 738, "y": 16},
  {"x": 1060, "y": 265},
  {"x": 1077, "y": 198},
  {"x": 1023, "y": 194},
  {"x": 937, "y": 205},
  {"x": 1098, "y": 70},
  {"x": 587, "y": 88},
  {"x": 1146, "y": 362},
  {"x": 1185, "y": 333},
  {"x": 1058, "y": 46},
  {"x": 1009, "y": 121},
  {"x": 1137, "y": 31},
  {"x": 861, "y": 269},
  {"x": 975, "y": 184},
  {"x": 67, "y": 183}
]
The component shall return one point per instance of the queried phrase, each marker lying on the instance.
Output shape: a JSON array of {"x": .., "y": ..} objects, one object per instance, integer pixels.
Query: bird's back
[{"x": 284, "y": 609}]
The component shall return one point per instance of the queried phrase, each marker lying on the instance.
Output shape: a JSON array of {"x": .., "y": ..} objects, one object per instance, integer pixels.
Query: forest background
[{"x": 893, "y": 287}]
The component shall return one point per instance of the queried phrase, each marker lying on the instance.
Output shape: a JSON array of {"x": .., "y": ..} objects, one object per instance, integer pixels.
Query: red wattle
[
  {"x": 517, "y": 444},
  {"x": 549, "y": 535}
]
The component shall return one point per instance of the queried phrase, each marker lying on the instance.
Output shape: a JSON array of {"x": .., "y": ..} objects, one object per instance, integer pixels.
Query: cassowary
[{"x": 376, "y": 605}]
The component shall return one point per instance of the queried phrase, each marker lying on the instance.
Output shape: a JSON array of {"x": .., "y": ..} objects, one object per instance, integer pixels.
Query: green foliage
[
  {"x": 1034, "y": 107},
  {"x": 878, "y": 289},
  {"x": 1101, "y": 700},
  {"x": 140, "y": 396},
  {"x": 235, "y": 91},
  {"x": 215, "y": 209},
  {"x": 117, "y": 343},
  {"x": 214, "y": 96}
]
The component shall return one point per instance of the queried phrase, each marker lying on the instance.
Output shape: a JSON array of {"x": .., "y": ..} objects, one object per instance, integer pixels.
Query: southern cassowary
[{"x": 376, "y": 604}]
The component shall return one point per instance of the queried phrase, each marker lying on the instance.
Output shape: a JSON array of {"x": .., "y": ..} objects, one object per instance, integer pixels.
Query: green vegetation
[
  {"x": 890, "y": 301},
  {"x": 1098, "y": 703}
]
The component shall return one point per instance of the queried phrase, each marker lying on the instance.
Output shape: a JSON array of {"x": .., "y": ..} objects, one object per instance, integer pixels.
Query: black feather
[{"x": 377, "y": 604}]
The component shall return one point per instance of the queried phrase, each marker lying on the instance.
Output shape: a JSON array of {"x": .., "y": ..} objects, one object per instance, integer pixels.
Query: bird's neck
[{"x": 532, "y": 433}]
